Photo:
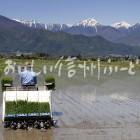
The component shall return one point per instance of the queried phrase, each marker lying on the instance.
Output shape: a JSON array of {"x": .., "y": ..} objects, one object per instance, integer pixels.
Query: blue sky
[{"x": 72, "y": 11}]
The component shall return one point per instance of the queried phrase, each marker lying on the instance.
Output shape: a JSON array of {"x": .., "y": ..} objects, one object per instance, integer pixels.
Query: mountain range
[
  {"x": 16, "y": 36},
  {"x": 120, "y": 32}
]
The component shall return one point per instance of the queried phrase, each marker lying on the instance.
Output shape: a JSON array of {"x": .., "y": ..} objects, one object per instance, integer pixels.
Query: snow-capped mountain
[
  {"x": 36, "y": 24},
  {"x": 121, "y": 24},
  {"x": 91, "y": 22},
  {"x": 29, "y": 23},
  {"x": 136, "y": 26},
  {"x": 16, "y": 37},
  {"x": 91, "y": 27},
  {"x": 32, "y": 23}
]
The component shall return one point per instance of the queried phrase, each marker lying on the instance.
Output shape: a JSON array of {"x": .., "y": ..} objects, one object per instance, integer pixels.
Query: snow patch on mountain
[
  {"x": 88, "y": 22},
  {"x": 121, "y": 24}
]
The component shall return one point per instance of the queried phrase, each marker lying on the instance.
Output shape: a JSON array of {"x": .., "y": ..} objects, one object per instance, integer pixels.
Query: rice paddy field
[{"x": 96, "y": 103}]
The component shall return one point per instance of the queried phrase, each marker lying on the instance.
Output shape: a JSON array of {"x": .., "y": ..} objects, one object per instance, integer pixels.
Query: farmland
[{"x": 88, "y": 108}]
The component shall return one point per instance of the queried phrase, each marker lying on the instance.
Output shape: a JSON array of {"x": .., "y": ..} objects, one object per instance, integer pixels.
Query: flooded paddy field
[
  {"x": 101, "y": 111},
  {"x": 26, "y": 135},
  {"x": 96, "y": 117},
  {"x": 91, "y": 109}
]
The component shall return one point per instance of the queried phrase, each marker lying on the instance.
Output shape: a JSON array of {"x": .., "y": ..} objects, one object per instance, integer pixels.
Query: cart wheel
[{"x": 13, "y": 126}]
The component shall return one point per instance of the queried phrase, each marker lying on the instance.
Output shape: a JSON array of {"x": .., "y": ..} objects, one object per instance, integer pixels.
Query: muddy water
[
  {"x": 98, "y": 110},
  {"x": 91, "y": 109},
  {"x": 23, "y": 135}
]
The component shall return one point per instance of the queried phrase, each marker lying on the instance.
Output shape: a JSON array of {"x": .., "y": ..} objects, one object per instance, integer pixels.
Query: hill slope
[{"x": 15, "y": 36}]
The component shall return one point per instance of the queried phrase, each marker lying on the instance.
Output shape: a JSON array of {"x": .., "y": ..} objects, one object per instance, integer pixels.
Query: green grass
[
  {"x": 49, "y": 79},
  {"x": 24, "y": 107},
  {"x": 6, "y": 80}
]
